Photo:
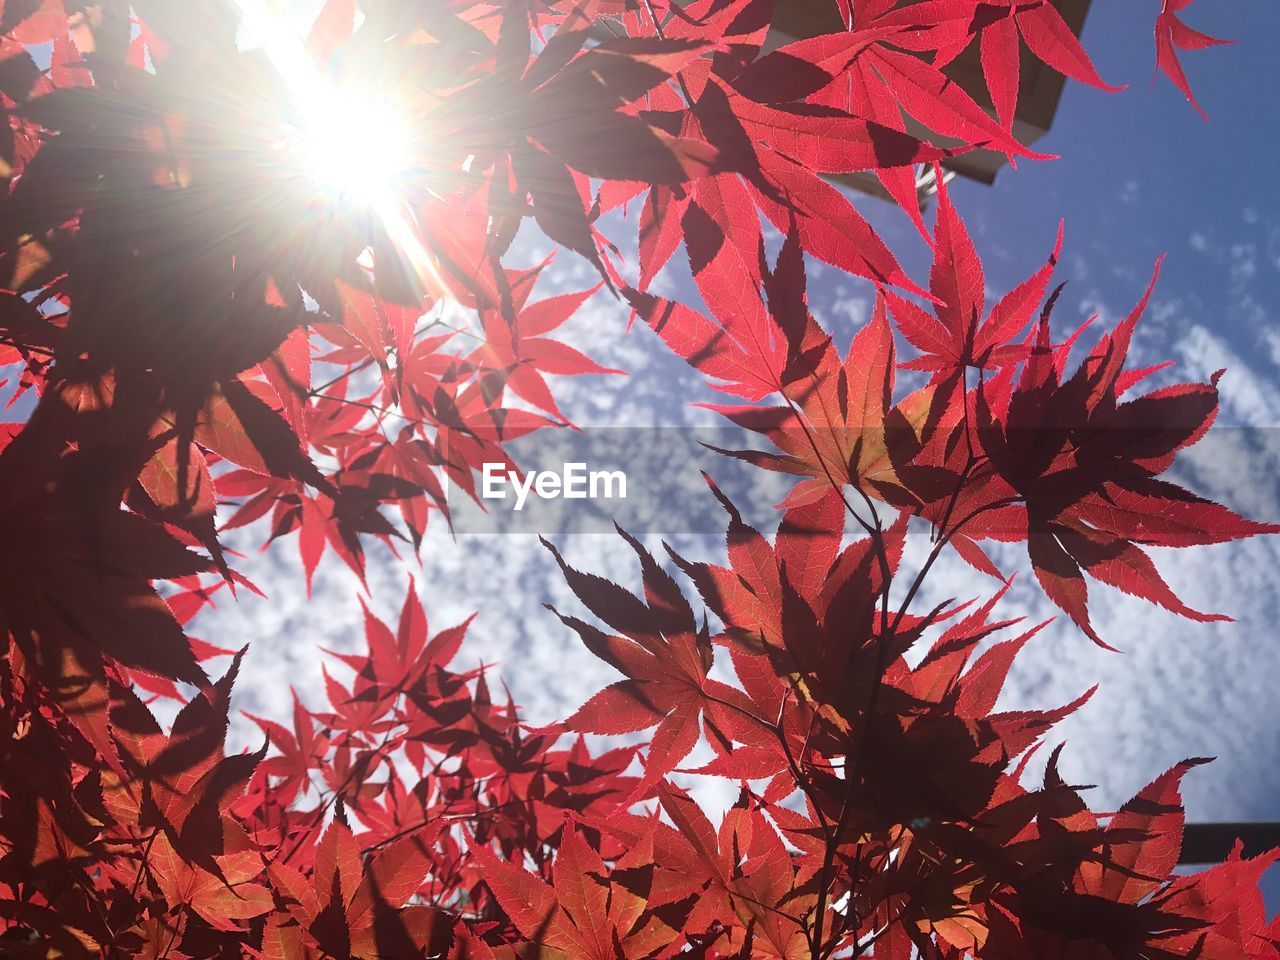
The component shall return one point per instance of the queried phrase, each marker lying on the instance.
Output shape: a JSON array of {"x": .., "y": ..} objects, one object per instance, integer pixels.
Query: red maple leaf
[{"x": 1173, "y": 35}]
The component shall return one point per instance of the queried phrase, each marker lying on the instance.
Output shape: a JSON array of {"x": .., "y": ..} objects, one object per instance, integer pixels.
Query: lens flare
[
  {"x": 354, "y": 146},
  {"x": 352, "y": 141}
]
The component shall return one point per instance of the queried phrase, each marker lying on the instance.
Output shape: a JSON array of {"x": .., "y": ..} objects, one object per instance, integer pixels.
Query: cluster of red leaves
[
  {"x": 166, "y": 846},
  {"x": 882, "y": 805},
  {"x": 199, "y": 330}
]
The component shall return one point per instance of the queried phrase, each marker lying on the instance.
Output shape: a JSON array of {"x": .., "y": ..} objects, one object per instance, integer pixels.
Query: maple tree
[{"x": 195, "y": 327}]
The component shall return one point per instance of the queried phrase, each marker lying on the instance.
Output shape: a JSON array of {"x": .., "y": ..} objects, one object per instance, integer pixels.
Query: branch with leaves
[{"x": 208, "y": 341}]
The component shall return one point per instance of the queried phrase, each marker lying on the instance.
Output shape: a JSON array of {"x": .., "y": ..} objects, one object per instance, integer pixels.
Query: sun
[
  {"x": 350, "y": 140},
  {"x": 353, "y": 145},
  {"x": 344, "y": 134}
]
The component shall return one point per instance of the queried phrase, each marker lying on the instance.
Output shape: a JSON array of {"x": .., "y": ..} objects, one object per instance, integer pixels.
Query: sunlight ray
[{"x": 351, "y": 141}]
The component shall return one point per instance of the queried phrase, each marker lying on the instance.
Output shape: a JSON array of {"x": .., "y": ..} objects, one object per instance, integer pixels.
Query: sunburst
[{"x": 351, "y": 139}]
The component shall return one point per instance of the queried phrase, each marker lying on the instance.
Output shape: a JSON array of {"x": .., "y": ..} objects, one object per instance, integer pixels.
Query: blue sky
[{"x": 1141, "y": 174}]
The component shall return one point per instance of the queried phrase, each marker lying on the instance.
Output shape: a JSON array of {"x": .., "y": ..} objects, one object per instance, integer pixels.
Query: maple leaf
[
  {"x": 403, "y": 660},
  {"x": 752, "y": 876},
  {"x": 353, "y": 906},
  {"x": 374, "y": 323},
  {"x": 182, "y": 782},
  {"x": 226, "y": 898},
  {"x": 78, "y": 593},
  {"x": 810, "y": 608},
  {"x": 588, "y": 910},
  {"x": 1004, "y": 26},
  {"x": 1088, "y": 464},
  {"x": 299, "y": 750},
  {"x": 960, "y": 337},
  {"x": 525, "y": 355},
  {"x": 661, "y": 650},
  {"x": 717, "y": 351},
  {"x": 1172, "y": 35},
  {"x": 550, "y": 152},
  {"x": 950, "y": 676},
  {"x": 1148, "y": 829},
  {"x": 237, "y": 424},
  {"x": 1226, "y": 905},
  {"x": 1121, "y": 897},
  {"x": 772, "y": 156},
  {"x": 833, "y": 429}
]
